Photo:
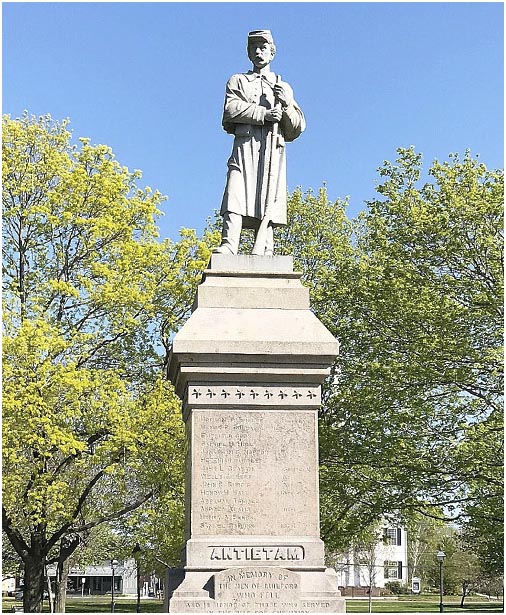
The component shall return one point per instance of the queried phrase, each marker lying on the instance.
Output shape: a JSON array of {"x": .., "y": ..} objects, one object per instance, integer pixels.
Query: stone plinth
[{"x": 248, "y": 366}]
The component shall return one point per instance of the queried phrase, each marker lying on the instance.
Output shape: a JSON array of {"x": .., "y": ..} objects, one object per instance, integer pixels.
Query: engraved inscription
[
  {"x": 271, "y": 553},
  {"x": 257, "y": 590},
  {"x": 262, "y": 585},
  {"x": 257, "y": 606},
  {"x": 254, "y": 472}
]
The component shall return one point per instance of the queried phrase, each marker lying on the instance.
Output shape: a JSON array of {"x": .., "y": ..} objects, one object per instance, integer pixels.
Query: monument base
[
  {"x": 258, "y": 589},
  {"x": 248, "y": 366}
]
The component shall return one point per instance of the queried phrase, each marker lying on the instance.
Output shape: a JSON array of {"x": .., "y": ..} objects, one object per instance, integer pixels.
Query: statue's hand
[
  {"x": 282, "y": 95},
  {"x": 273, "y": 115}
]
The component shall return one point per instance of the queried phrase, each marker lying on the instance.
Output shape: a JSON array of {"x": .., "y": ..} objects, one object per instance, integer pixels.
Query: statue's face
[{"x": 259, "y": 52}]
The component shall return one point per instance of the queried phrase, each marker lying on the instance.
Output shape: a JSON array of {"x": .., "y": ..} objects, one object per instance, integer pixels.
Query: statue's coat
[{"x": 248, "y": 96}]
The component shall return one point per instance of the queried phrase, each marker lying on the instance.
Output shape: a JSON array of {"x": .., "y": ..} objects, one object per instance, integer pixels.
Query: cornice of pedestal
[{"x": 251, "y": 325}]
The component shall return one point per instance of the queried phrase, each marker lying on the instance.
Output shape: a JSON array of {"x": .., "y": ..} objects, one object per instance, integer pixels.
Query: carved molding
[{"x": 246, "y": 395}]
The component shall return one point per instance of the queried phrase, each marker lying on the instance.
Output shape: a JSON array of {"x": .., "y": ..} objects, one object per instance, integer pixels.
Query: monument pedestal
[{"x": 248, "y": 366}]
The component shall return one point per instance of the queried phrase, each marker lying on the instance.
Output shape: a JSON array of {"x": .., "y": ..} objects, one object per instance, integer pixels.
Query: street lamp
[
  {"x": 114, "y": 562},
  {"x": 136, "y": 551},
  {"x": 440, "y": 558}
]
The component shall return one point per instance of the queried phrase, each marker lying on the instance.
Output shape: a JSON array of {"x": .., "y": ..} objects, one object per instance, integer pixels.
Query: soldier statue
[{"x": 261, "y": 113}]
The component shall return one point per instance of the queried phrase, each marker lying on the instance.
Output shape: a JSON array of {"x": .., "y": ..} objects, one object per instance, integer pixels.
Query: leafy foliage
[
  {"x": 482, "y": 459},
  {"x": 91, "y": 430},
  {"x": 411, "y": 419},
  {"x": 413, "y": 291}
]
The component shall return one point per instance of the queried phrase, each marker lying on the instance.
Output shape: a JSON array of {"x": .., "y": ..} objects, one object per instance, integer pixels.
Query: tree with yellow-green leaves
[
  {"x": 412, "y": 419},
  {"x": 91, "y": 296},
  {"x": 412, "y": 422},
  {"x": 412, "y": 414}
]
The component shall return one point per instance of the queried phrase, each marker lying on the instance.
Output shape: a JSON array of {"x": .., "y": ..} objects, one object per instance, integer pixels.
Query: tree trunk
[
  {"x": 62, "y": 574},
  {"x": 370, "y": 589},
  {"x": 465, "y": 586},
  {"x": 34, "y": 582},
  {"x": 50, "y": 593},
  {"x": 67, "y": 548},
  {"x": 138, "y": 606}
]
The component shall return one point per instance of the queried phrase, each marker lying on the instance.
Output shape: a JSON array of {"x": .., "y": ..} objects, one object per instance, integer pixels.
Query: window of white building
[
  {"x": 392, "y": 536},
  {"x": 393, "y": 570}
]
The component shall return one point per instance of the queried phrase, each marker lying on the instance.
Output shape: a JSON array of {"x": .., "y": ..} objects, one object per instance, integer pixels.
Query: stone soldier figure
[{"x": 261, "y": 113}]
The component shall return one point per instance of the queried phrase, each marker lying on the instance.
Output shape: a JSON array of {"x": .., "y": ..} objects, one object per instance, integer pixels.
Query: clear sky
[{"x": 148, "y": 80}]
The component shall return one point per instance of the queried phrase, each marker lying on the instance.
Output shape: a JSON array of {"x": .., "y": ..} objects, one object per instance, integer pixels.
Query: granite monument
[{"x": 248, "y": 366}]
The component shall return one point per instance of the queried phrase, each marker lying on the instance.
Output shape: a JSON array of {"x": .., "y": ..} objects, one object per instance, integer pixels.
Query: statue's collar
[{"x": 270, "y": 77}]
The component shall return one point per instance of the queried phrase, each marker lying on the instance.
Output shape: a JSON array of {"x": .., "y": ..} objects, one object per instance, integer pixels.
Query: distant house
[
  {"x": 8, "y": 585},
  {"x": 96, "y": 580},
  {"x": 383, "y": 562}
]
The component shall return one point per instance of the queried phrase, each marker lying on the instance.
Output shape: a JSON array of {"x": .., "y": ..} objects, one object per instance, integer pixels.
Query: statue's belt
[{"x": 247, "y": 130}]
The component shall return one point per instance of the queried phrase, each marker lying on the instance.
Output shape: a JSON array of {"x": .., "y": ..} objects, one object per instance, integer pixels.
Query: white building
[
  {"x": 92, "y": 580},
  {"x": 8, "y": 585},
  {"x": 98, "y": 580},
  {"x": 383, "y": 562}
]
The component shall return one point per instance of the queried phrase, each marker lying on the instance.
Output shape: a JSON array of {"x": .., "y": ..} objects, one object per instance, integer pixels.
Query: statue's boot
[
  {"x": 223, "y": 249},
  {"x": 231, "y": 233}
]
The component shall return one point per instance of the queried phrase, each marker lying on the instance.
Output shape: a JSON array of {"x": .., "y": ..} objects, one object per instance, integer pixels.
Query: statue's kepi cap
[{"x": 264, "y": 35}]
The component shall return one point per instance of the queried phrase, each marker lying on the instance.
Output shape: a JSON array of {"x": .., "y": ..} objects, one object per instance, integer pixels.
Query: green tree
[
  {"x": 98, "y": 544},
  {"x": 461, "y": 567},
  {"x": 437, "y": 251},
  {"x": 365, "y": 550},
  {"x": 413, "y": 291},
  {"x": 157, "y": 528},
  {"x": 481, "y": 456},
  {"x": 424, "y": 536},
  {"x": 91, "y": 298},
  {"x": 12, "y": 565}
]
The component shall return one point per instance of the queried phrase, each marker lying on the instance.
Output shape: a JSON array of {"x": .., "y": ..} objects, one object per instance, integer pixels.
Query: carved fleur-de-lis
[
  {"x": 297, "y": 394},
  {"x": 268, "y": 394},
  {"x": 210, "y": 393},
  {"x": 283, "y": 394},
  {"x": 225, "y": 394},
  {"x": 254, "y": 394},
  {"x": 196, "y": 393},
  {"x": 239, "y": 394},
  {"x": 311, "y": 394}
]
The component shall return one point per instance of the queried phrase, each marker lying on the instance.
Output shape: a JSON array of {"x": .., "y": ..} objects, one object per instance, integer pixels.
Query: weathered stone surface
[
  {"x": 219, "y": 551},
  {"x": 249, "y": 365},
  {"x": 257, "y": 584},
  {"x": 260, "y": 590},
  {"x": 254, "y": 472},
  {"x": 247, "y": 263},
  {"x": 260, "y": 331},
  {"x": 261, "y": 113},
  {"x": 226, "y": 343},
  {"x": 267, "y": 396}
]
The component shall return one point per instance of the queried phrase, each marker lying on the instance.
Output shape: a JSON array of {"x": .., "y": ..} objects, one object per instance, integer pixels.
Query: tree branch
[
  {"x": 17, "y": 540},
  {"x": 115, "y": 515}
]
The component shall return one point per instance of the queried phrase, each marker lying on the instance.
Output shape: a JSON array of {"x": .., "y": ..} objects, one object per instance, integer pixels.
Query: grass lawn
[
  {"x": 98, "y": 604},
  {"x": 403, "y": 604},
  {"x": 425, "y": 604}
]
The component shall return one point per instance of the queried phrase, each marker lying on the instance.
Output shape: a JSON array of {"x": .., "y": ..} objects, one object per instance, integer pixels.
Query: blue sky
[{"x": 148, "y": 80}]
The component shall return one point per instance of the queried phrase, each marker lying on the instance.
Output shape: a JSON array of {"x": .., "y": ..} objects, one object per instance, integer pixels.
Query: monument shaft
[{"x": 248, "y": 366}]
